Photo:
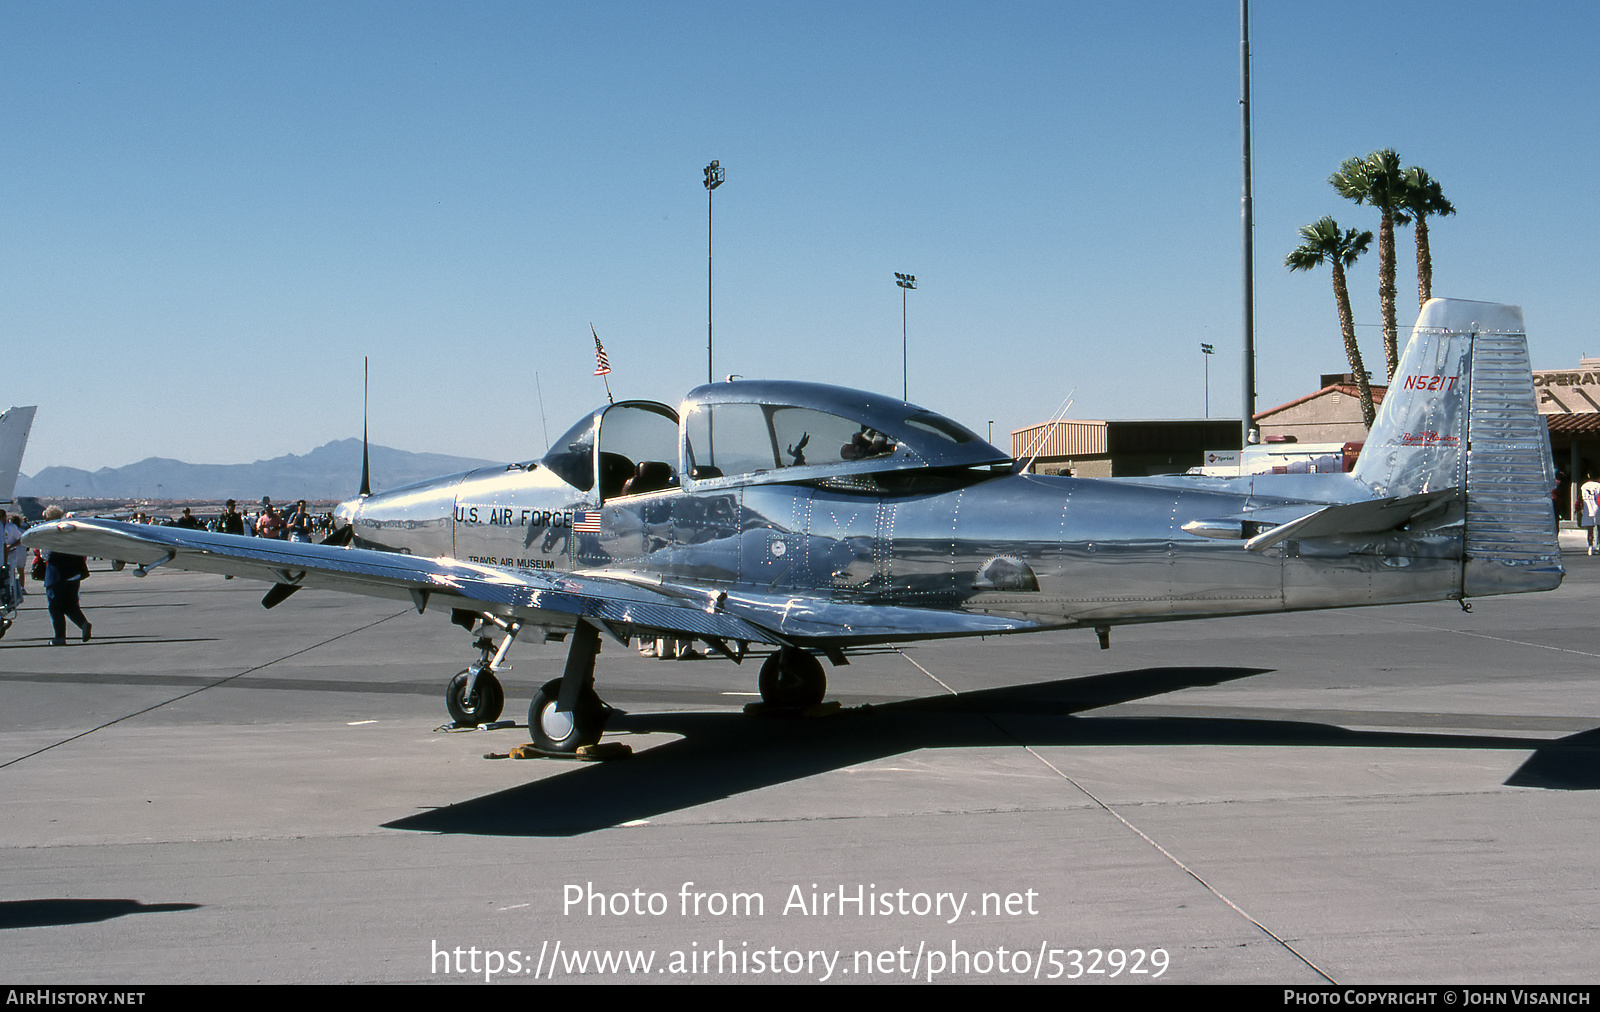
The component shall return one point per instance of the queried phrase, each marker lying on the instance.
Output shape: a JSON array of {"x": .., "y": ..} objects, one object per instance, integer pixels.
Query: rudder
[{"x": 1460, "y": 413}]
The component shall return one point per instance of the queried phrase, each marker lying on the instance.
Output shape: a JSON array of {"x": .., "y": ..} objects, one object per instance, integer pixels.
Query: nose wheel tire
[
  {"x": 482, "y": 707},
  {"x": 554, "y": 731},
  {"x": 793, "y": 679}
]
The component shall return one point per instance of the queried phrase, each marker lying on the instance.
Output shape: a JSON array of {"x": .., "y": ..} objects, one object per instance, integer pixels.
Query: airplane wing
[{"x": 551, "y": 599}]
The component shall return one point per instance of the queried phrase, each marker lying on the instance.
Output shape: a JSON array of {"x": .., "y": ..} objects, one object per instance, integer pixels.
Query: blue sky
[{"x": 214, "y": 210}]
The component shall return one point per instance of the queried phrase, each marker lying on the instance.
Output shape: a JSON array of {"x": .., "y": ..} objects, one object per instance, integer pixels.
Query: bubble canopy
[
  {"x": 763, "y": 431},
  {"x": 787, "y": 431}
]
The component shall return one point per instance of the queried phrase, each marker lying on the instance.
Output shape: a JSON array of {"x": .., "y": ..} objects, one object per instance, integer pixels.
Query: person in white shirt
[
  {"x": 10, "y": 562},
  {"x": 1589, "y": 495}
]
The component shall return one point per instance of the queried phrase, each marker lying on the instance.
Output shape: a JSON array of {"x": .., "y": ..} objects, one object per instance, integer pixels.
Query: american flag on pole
[{"x": 602, "y": 365}]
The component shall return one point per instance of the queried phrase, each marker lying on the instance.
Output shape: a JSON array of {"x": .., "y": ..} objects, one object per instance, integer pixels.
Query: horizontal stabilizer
[
  {"x": 1237, "y": 526},
  {"x": 1372, "y": 517}
]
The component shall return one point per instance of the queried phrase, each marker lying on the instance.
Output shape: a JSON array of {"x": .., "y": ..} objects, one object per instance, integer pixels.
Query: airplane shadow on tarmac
[
  {"x": 41, "y": 913},
  {"x": 724, "y": 754}
]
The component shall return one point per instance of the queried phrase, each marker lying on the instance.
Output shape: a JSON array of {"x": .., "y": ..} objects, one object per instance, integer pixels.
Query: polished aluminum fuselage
[
  {"x": 775, "y": 490},
  {"x": 1055, "y": 550}
]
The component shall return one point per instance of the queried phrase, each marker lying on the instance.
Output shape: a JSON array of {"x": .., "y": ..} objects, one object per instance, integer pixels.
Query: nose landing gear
[
  {"x": 475, "y": 696},
  {"x": 474, "y": 700}
]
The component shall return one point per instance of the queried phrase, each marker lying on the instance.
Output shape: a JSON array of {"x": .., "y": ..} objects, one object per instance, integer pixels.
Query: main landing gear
[
  {"x": 566, "y": 713},
  {"x": 792, "y": 679},
  {"x": 555, "y": 730}
]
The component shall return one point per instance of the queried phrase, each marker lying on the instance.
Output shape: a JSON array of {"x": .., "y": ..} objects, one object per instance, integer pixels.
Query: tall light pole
[
  {"x": 907, "y": 283},
  {"x": 1207, "y": 350},
  {"x": 715, "y": 174},
  {"x": 1247, "y": 228}
]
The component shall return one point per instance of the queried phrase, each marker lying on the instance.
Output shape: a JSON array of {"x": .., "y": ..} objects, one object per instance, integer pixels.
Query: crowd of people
[
  {"x": 61, "y": 574},
  {"x": 289, "y": 523}
]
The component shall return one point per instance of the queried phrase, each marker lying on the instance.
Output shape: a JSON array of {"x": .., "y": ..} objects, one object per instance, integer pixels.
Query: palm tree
[
  {"x": 1424, "y": 197},
  {"x": 1377, "y": 180},
  {"x": 1325, "y": 243}
]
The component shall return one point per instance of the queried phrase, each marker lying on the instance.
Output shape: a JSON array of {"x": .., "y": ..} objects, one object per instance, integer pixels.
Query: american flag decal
[
  {"x": 602, "y": 364},
  {"x": 586, "y": 522}
]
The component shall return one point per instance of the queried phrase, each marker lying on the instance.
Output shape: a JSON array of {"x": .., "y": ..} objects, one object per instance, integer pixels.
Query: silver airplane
[
  {"x": 15, "y": 424},
  {"x": 815, "y": 519}
]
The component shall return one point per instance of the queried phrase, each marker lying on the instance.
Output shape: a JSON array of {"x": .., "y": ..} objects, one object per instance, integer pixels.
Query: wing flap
[
  {"x": 822, "y": 621},
  {"x": 797, "y": 619}
]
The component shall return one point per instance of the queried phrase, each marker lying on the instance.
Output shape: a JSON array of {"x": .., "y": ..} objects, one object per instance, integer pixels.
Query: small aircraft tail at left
[
  {"x": 15, "y": 425},
  {"x": 816, "y": 519}
]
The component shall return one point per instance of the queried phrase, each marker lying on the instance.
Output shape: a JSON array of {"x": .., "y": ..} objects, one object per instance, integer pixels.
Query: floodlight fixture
[
  {"x": 715, "y": 176},
  {"x": 907, "y": 282}
]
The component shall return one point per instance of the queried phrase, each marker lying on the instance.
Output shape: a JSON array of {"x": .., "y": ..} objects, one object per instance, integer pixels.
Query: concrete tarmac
[{"x": 211, "y": 792}]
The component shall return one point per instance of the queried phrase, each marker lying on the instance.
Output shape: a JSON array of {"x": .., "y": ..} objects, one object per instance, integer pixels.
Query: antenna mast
[{"x": 366, "y": 472}]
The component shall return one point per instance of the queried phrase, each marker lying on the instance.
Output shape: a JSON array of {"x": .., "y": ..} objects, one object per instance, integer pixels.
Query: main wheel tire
[
  {"x": 554, "y": 731},
  {"x": 484, "y": 705},
  {"x": 793, "y": 679}
]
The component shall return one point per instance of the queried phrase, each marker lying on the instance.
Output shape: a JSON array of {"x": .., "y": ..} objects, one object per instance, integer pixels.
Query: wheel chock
[
  {"x": 587, "y": 753},
  {"x": 603, "y": 751},
  {"x": 454, "y": 728}
]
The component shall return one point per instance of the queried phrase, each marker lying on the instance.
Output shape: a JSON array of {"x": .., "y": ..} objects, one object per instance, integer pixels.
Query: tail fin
[
  {"x": 1460, "y": 413},
  {"x": 14, "y": 427}
]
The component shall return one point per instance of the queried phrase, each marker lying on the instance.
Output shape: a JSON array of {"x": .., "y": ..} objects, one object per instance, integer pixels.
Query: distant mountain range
[{"x": 331, "y": 471}]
